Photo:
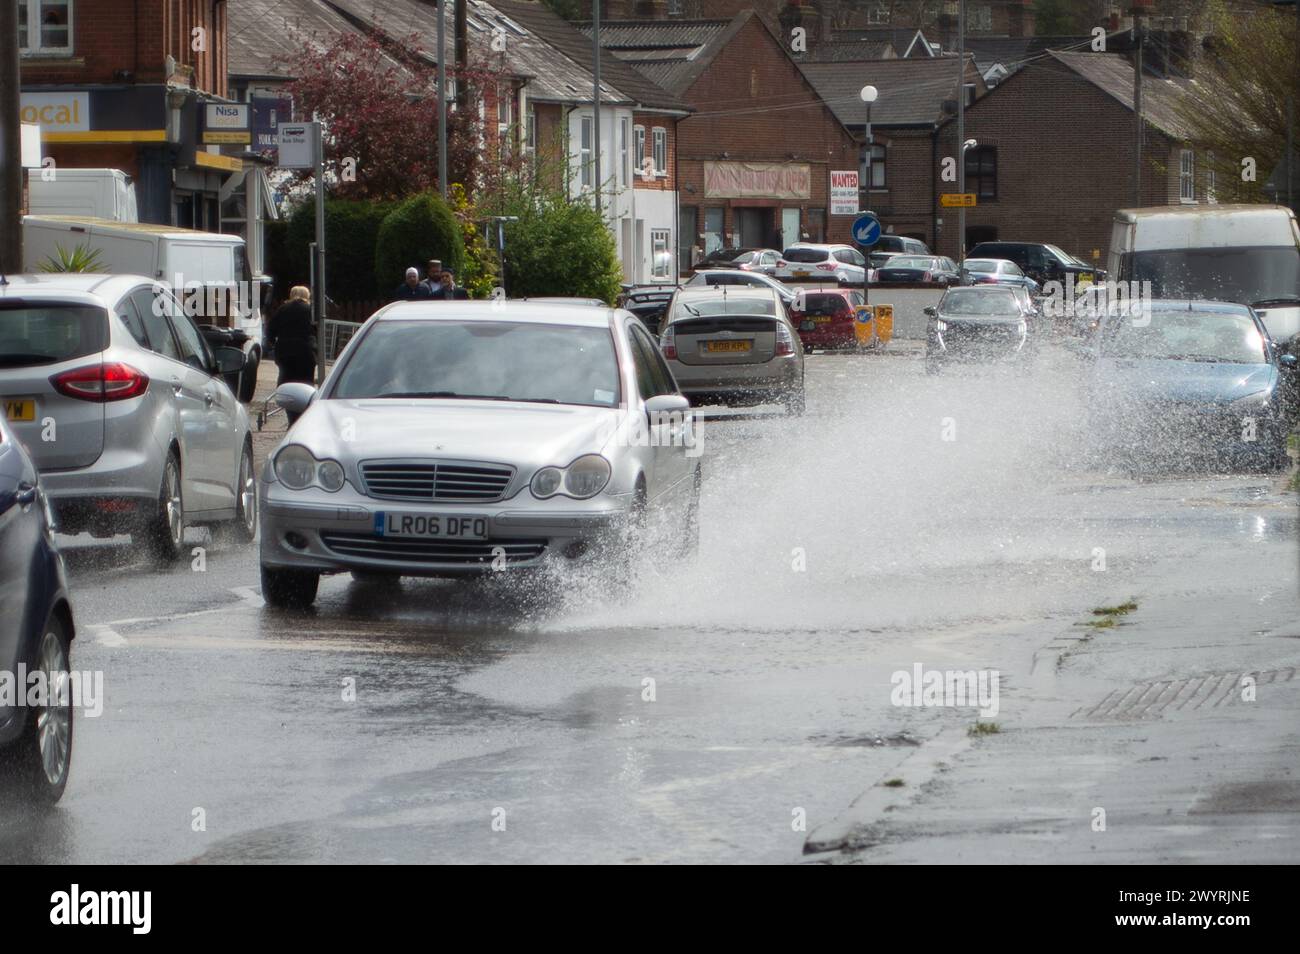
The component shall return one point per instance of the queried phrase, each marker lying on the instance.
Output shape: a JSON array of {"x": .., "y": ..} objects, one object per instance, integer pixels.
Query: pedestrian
[
  {"x": 291, "y": 334},
  {"x": 433, "y": 277},
  {"x": 447, "y": 289},
  {"x": 412, "y": 288}
]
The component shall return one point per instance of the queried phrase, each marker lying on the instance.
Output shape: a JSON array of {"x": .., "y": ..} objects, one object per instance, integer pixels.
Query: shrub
[
  {"x": 559, "y": 247},
  {"x": 421, "y": 228},
  {"x": 351, "y": 235}
]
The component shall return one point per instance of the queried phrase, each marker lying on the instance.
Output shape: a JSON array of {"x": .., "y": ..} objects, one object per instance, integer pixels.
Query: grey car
[
  {"x": 130, "y": 416},
  {"x": 465, "y": 438},
  {"x": 982, "y": 323},
  {"x": 734, "y": 345}
]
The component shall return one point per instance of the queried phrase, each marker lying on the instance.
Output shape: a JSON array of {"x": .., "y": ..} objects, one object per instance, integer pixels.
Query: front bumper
[
  {"x": 976, "y": 342},
  {"x": 333, "y": 533}
]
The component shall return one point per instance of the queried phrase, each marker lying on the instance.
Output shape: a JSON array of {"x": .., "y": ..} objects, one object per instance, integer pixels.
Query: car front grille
[
  {"x": 436, "y": 480},
  {"x": 454, "y": 552}
]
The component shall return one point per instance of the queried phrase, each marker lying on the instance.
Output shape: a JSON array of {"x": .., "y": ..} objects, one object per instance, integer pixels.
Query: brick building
[
  {"x": 915, "y": 96},
  {"x": 124, "y": 84},
  {"x": 753, "y": 161},
  {"x": 1056, "y": 154}
]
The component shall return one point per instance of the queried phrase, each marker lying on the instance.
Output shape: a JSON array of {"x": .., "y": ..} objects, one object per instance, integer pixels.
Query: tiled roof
[
  {"x": 1162, "y": 99},
  {"x": 264, "y": 35},
  {"x": 672, "y": 54},
  {"x": 840, "y": 51},
  {"x": 912, "y": 91}
]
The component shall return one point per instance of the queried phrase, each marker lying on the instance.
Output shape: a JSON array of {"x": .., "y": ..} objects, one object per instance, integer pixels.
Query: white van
[
  {"x": 85, "y": 193},
  {"x": 181, "y": 258},
  {"x": 1249, "y": 254}
]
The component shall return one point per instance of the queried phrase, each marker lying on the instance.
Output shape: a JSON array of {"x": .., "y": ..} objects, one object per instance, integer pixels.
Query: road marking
[
  {"x": 105, "y": 635},
  {"x": 248, "y": 596}
]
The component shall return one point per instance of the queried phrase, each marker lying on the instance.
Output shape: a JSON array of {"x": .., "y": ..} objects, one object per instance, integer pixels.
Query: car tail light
[
  {"x": 668, "y": 343},
  {"x": 784, "y": 340},
  {"x": 925, "y": 277},
  {"x": 101, "y": 382},
  {"x": 781, "y": 263},
  {"x": 827, "y": 266}
]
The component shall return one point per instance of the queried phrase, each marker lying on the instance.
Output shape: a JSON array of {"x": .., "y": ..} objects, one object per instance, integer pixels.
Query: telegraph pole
[
  {"x": 1137, "y": 106},
  {"x": 595, "y": 42},
  {"x": 961, "y": 128},
  {"x": 11, "y": 164},
  {"x": 442, "y": 98}
]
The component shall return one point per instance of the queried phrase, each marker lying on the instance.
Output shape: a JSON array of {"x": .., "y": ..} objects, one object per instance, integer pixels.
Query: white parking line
[{"x": 105, "y": 635}]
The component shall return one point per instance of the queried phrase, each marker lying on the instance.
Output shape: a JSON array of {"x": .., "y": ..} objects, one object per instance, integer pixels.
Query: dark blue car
[
  {"x": 1183, "y": 381},
  {"x": 36, "y": 633}
]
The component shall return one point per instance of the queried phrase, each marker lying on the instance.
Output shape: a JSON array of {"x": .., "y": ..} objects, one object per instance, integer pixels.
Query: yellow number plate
[
  {"x": 24, "y": 410},
  {"x": 727, "y": 346}
]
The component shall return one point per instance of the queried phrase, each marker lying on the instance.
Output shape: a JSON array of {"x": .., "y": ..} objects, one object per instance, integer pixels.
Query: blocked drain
[{"x": 1151, "y": 700}]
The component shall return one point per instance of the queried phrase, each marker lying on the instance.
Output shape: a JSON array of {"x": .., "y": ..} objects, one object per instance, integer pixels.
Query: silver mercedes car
[{"x": 464, "y": 438}]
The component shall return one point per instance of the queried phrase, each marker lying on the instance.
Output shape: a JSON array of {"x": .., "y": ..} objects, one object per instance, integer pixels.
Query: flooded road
[{"x": 719, "y": 710}]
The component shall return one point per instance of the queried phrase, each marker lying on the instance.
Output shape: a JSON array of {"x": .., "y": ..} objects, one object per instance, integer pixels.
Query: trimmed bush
[
  {"x": 351, "y": 234},
  {"x": 420, "y": 228},
  {"x": 561, "y": 248}
]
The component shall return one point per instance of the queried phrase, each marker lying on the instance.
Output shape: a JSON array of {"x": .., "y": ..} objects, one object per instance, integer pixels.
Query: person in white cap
[{"x": 412, "y": 288}]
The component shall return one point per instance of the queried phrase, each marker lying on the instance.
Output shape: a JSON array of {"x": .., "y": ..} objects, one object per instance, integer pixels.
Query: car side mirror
[
  {"x": 294, "y": 397},
  {"x": 673, "y": 407},
  {"x": 931, "y": 310}
]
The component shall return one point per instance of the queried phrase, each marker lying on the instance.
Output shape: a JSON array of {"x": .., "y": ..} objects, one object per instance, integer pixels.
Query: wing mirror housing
[
  {"x": 667, "y": 407},
  {"x": 931, "y": 311},
  {"x": 294, "y": 397}
]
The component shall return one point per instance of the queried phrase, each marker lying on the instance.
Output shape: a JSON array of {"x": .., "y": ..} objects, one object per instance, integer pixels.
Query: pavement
[{"x": 741, "y": 708}]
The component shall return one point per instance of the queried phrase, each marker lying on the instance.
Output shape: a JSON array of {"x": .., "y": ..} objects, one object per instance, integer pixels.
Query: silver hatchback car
[
  {"x": 734, "y": 345},
  {"x": 130, "y": 417},
  {"x": 462, "y": 438}
]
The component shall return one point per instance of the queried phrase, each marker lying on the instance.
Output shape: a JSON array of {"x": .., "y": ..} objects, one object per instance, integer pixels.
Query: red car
[{"x": 825, "y": 316}]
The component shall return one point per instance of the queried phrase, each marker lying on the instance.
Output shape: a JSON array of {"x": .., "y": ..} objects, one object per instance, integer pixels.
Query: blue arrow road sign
[{"x": 866, "y": 229}]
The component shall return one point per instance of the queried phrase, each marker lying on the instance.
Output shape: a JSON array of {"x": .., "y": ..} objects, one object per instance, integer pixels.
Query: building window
[
  {"x": 45, "y": 26},
  {"x": 661, "y": 150},
  {"x": 982, "y": 171},
  {"x": 661, "y": 264},
  {"x": 623, "y": 157},
  {"x": 979, "y": 18},
  {"x": 712, "y": 230},
  {"x": 584, "y": 152},
  {"x": 878, "y": 13},
  {"x": 1209, "y": 178},
  {"x": 530, "y": 132},
  {"x": 638, "y": 150},
  {"x": 1187, "y": 176},
  {"x": 505, "y": 117}
]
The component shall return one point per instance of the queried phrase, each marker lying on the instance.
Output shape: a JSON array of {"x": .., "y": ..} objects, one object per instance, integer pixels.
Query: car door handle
[{"x": 26, "y": 495}]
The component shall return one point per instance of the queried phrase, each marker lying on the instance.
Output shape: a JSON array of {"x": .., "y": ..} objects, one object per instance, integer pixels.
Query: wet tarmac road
[{"x": 700, "y": 716}]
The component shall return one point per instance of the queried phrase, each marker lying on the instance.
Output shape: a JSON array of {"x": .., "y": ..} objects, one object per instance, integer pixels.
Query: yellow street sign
[{"x": 956, "y": 200}]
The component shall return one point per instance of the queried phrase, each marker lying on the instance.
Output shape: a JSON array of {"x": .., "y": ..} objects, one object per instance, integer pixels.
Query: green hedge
[
  {"x": 420, "y": 228},
  {"x": 561, "y": 248},
  {"x": 351, "y": 232}
]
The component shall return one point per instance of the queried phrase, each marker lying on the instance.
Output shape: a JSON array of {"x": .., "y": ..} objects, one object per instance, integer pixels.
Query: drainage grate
[{"x": 1150, "y": 700}]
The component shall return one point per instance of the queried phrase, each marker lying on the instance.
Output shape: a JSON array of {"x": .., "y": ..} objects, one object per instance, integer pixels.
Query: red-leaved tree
[{"x": 378, "y": 102}]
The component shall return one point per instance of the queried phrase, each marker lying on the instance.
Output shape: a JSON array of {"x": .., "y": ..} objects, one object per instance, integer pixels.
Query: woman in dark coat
[{"x": 290, "y": 334}]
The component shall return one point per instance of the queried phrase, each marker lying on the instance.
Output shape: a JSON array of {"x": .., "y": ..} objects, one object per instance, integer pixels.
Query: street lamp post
[
  {"x": 968, "y": 145},
  {"x": 869, "y": 95}
]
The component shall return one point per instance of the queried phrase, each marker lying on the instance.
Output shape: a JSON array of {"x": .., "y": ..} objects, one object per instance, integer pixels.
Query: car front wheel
[
  {"x": 38, "y": 761},
  {"x": 289, "y": 589}
]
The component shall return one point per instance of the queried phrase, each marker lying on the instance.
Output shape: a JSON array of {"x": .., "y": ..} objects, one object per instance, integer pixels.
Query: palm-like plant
[{"x": 82, "y": 258}]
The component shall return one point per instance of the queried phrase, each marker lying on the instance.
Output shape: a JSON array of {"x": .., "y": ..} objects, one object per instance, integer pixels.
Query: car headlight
[
  {"x": 547, "y": 482},
  {"x": 940, "y": 325},
  {"x": 297, "y": 468},
  {"x": 583, "y": 478},
  {"x": 586, "y": 476}
]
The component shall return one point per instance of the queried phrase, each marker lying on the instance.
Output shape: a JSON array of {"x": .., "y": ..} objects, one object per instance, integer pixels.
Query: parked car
[
  {"x": 35, "y": 741},
  {"x": 487, "y": 437},
  {"x": 1041, "y": 262},
  {"x": 733, "y": 277},
  {"x": 983, "y": 323},
  {"x": 567, "y": 300},
  {"x": 825, "y": 317},
  {"x": 995, "y": 271},
  {"x": 919, "y": 269},
  {"x": 805, "y": 261},
  {"x": 1248, "y": 254},
  {"x": 647, "y": 302},
  {"x": 763, "y": 260},
  {"x": 734, "y": 346},
  {"x": 131, "y": 417},
  {"x": 901, "y": 244},
  {"x": 1189, "y": 378}
]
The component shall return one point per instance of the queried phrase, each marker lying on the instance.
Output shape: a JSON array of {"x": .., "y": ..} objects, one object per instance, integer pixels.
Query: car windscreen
[
  {"x": 1243, "y": 275},
  {"x": 910, "y": 261},
  {"x": 979, "y": 301},
  {"x": 973, "y": 265},
  {"x": 825, "y": 305},
  {"x": 498, "y": 360},
  {"x": 805, "y": 255},
  {"x": 34, "y": 334},
  {"x": 1185, "y": 336},
  {"x": 725, "y": 306}
]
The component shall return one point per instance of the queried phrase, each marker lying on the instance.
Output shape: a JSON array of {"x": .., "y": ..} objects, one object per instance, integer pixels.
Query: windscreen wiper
[
  {"x": 28, "y": 359},
  {"x": 443, "y": 394},
  {"x": 1280, "y": 300}
]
